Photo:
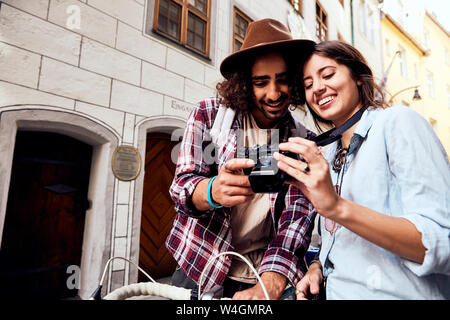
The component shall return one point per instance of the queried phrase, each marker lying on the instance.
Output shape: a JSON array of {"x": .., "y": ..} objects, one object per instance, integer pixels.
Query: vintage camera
[{"x": 265, "y": 176}]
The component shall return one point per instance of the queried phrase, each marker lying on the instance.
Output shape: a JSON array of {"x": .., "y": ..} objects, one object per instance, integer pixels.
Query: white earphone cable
[
  {"x": 235, "y": 254},
  {"x": 113, "y": 258}
]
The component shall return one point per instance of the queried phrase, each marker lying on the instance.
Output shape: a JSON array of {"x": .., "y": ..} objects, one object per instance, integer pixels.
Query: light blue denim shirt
[{"x": 398, "y": 167}]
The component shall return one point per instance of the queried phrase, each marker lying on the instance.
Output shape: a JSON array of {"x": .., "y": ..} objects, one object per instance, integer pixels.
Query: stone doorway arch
[
  {"x": 172, "y": 126},
  {"x": 96, "y": 245}
]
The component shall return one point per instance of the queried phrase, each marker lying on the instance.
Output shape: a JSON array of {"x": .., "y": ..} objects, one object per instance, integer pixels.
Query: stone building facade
[{"x": 80, "y": 78}]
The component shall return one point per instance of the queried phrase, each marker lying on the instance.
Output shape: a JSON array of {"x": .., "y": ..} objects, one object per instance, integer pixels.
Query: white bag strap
[
  {"x": 215, "y": 130},
  {"x": 222, "y": 125}
]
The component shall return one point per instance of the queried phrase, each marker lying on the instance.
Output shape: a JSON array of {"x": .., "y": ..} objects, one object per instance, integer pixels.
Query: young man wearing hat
[{"x": 217, "y": 211}]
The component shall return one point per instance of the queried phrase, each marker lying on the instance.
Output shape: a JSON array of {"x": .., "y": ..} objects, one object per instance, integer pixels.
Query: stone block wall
[
  {"x": 93, "y": 59},
  {"x": 96, "y": 60}
]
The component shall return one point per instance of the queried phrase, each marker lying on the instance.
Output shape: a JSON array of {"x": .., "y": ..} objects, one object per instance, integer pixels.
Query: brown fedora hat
[{"x": 264, "y": 36}]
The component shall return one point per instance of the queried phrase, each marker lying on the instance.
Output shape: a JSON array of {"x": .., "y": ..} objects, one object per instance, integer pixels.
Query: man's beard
[{"x": 279, "y": 114}]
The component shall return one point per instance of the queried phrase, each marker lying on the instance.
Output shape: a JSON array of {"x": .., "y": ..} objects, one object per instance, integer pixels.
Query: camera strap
[{"x": 336, "y": 133}]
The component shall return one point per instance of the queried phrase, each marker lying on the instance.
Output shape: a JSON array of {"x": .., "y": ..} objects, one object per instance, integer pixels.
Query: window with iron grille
[
  {"x": 241, "y": 22},
  {"x": 185, "y": 22},
  {"x": 321, "y": 23}
]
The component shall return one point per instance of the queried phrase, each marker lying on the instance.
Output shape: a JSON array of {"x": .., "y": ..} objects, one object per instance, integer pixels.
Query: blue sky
[{"x": 441, "y": 8}]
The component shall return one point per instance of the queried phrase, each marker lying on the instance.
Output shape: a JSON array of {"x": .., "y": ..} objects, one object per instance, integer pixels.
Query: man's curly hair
[{"x": 237, "y": 90}]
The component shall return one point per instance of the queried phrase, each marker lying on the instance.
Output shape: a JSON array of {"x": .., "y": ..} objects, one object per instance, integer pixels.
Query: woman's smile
[{"x": 325, "y": 102}]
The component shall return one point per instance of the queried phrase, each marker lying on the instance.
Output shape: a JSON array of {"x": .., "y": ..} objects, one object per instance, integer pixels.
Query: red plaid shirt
[{"x": 197, "y": 236}]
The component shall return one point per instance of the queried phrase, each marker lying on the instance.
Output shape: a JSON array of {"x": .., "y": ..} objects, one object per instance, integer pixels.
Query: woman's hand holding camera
[{"x": 315, "y": 182}]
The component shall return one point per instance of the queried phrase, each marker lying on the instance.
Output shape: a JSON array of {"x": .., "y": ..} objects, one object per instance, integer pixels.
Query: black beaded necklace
[
  {"x": 338, "y": 165},
  {"x": 340, "y": 158}
]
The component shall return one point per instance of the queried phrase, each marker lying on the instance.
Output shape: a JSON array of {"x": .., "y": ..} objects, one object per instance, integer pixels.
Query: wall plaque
[{"x": 126, "y": 163}]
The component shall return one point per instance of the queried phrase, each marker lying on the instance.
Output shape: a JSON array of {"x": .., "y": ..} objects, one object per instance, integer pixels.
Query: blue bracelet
[{"x": 209, "y": 194}]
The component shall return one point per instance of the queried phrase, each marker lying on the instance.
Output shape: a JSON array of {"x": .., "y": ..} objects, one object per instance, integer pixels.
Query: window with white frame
[
  {"x": 430, "y": 84},
  {"x": 367, "y": 20},
  {"x": 371, "y": 25},
  {"x": 362, "y": 17},
  {"x": 448, "y": 96},
  {"x": 426, "y": 38},
  {"x": 400, "y": 17},
  {"x": 387, "y": 47},
  {"x": 403, "y": 63}
]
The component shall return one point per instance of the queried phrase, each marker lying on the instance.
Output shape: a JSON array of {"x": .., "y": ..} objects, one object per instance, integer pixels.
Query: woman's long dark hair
[{"x": 370, "y": 94}]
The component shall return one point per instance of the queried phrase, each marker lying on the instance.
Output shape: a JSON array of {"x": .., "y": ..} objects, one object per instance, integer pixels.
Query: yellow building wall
[
  {"x": 434, "y": 109},
  {"x": 437, "y": 109}
]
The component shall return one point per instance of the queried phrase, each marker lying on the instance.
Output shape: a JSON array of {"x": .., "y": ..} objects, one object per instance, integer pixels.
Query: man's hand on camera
[
  {"x": 231, "y": 188},
  {"x": 228, "y": 189}
]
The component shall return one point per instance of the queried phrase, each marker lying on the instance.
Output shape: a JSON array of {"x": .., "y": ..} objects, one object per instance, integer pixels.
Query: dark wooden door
[
  {"x": 157, "y": 208},
  {"x": 44, "y": 224}
]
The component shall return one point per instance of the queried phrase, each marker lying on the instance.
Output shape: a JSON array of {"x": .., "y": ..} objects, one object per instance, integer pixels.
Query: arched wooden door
[
  {"x": 157, "y": 207},
  {"x": 44, "y": 223}
]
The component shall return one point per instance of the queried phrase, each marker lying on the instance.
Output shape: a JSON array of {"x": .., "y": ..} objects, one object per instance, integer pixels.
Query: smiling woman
[
  {"x": 368, "y": 190},
  {"x": 327, "y": 84},
  {"x": 332, "y": 61}
]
